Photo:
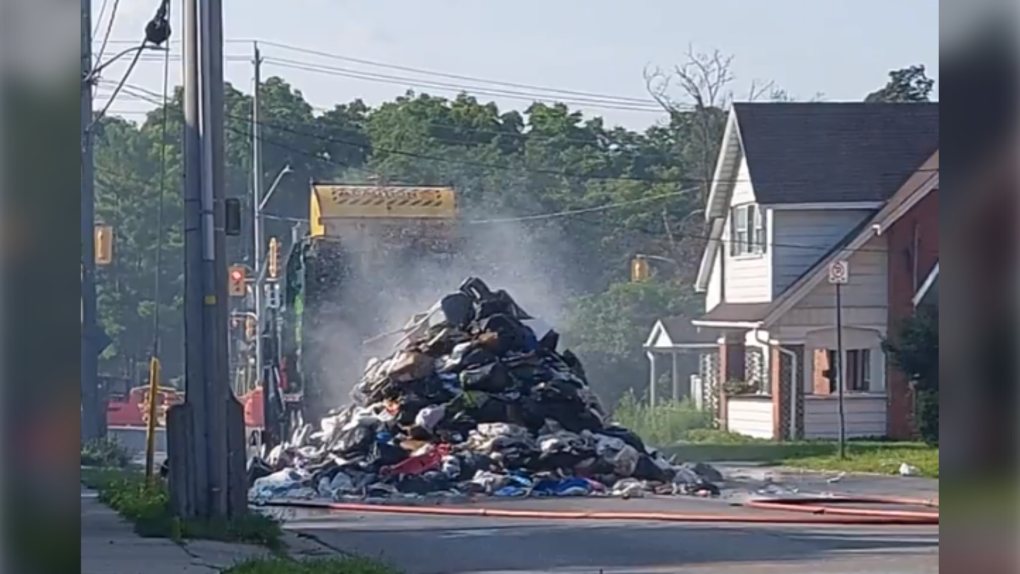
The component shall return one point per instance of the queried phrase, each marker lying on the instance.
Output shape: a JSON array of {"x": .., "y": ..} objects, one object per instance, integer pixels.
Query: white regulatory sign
[{"x": 839, "y": 273}]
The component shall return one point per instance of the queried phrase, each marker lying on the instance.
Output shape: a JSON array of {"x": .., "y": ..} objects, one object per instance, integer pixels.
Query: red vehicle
[{"x": 130, "y": 409}]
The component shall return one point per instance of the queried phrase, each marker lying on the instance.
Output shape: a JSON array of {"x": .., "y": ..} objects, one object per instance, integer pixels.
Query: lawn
[{"x": 877, "y": 457}]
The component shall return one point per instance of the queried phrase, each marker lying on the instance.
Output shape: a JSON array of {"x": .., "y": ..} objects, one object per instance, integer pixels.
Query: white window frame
[{"x": 748, "y": 231}]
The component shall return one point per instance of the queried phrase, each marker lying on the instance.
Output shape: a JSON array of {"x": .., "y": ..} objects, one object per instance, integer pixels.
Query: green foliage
[
  {"x": 914, "y": 349},
  {"x": 105, "y": 453},
  {"x": 661, "y": 425},
  {"x": 147, "y": 507},
  {"x": 345, "y": 565},
  {"x": 905, "y": 86}
]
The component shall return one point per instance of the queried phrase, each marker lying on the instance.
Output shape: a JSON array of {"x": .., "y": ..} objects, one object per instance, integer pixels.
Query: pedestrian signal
[{"x": 238, "y": 281}]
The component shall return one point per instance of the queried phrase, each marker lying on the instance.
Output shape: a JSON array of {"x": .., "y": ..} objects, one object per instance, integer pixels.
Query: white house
[{"x": 798, "y": 187}]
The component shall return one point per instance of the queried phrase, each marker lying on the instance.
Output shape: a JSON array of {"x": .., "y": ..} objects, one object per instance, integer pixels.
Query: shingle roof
[{"x": 834, "y": 152}]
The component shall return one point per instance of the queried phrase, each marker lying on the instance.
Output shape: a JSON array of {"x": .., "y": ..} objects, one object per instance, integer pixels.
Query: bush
[
  {"x": 927, "y": 420},
  {"x": 105, "y": 453},
  {"x": 664, "y": 424},
  {"x": 345, "y": 565}
]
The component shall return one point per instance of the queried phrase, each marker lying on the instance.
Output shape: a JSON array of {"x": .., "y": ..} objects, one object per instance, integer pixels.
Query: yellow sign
[{"x": 373, "y": 201}]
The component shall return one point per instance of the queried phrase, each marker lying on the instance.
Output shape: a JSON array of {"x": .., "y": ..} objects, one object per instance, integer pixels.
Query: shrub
[
  {"x": 664, "y": 424},
  {"x": 105, "y": 453}
]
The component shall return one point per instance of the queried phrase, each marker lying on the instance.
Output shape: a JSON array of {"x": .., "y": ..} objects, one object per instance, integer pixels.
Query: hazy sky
[{"x": 840, "y": 48}]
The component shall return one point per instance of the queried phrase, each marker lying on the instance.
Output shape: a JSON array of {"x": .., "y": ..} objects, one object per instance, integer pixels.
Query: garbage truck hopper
[{"x": 340, "y": 278}]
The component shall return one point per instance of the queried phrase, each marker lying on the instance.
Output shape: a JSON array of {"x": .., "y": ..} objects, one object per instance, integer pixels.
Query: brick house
[
  {"x": 799, "y": 187},
  {"x": 912, "y": 234}
]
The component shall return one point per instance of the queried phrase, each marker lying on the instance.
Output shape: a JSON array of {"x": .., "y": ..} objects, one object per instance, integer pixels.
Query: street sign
[{"x": 839, "y": 273}]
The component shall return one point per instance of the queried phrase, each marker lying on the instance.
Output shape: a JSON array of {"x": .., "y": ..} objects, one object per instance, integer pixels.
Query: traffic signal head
[
  {"x": 104, "y": 245},
  {"x": 274, "y": 258},
  {"x": 238, "y": 283},
  {"x": 640, "y": 270},
  {"x": 251, "y": 328}
]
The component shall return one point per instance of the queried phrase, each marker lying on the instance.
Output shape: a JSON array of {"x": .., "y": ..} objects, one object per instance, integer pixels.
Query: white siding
[
  {"x": 714, "y": 295},
  {"x": 865, "y": 298},
  {"x": 747, "y": 277},
  {"x": 865, "y": 417},
  {"x": 802, "y": 237},
  {"x": 751, "y": 416}
]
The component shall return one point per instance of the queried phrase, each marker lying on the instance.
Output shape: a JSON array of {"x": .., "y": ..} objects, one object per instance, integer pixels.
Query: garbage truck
[{"x": 337, "y": 283}]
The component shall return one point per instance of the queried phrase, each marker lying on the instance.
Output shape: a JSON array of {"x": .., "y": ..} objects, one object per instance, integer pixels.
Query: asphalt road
[{"x": 427, "y": 545}]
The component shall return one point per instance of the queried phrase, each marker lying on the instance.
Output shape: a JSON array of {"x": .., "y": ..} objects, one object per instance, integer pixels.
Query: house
[
  {"x": 677, "y": 349},
  {"x": 799, "y": 187},
  {"x": 911, "y": 229}
]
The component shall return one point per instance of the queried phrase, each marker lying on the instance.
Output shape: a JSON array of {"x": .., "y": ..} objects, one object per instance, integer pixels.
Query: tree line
[{"x": 547, "y": 160}]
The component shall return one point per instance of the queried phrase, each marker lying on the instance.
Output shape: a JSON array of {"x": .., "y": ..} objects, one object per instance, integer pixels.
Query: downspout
[{"x": 793, "y": 378}]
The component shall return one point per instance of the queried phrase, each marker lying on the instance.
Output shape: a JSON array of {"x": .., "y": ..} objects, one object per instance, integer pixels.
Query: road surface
[{"x": 426, "y": 545}]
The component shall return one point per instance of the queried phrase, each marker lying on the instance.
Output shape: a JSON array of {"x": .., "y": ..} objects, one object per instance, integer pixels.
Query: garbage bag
[{"x": 492, "y": 378}]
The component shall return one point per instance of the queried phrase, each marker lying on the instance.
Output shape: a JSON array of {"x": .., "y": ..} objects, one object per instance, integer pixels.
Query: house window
[
  {"x": 858, "y": 371},
  {"x": 748, "y": 235}
]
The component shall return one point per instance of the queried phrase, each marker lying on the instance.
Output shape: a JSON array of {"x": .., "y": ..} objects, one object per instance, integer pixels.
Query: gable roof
[
  {"x": 818, "y": 153},
  {"x": 681, "y": 334},
  {"x": 916, "y": 188},
  {"x": 834, "y": 152}
]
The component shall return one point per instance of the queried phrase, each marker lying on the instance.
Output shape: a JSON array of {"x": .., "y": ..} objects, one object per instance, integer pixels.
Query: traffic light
[
  {"x": 238, "y": 281},
  {"x": 274, "y": 258},
  {"x": 640, "y": 270},
  {"x": 104, "y": 245},
  {"x": 251, "y": 328}
]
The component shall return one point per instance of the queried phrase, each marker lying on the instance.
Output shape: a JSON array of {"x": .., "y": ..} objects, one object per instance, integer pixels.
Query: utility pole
[
  {"x": 195, "y": 251},
  {"x": 215, "y": 447},
  {"x": 92, "y": 424}
]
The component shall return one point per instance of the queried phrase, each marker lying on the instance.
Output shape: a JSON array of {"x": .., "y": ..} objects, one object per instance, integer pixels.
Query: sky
[{"x": 591, "y": 54}]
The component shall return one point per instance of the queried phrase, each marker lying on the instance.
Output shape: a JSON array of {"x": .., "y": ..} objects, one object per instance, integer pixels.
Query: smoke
[{"x": 385, "y": 285}]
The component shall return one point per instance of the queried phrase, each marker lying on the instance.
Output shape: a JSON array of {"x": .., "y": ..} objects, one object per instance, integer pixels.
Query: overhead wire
[
  {"x": 521, "y": 219},
  {"x": 157, "y": 32},
  {"x": 109, "y": 28},
  {"x": 327, "y": 55},
  {"x": 455, "y": 88}
]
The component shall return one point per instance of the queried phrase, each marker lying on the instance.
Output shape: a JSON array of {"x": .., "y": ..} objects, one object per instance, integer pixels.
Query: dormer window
[{"x": 747, "y": 234}]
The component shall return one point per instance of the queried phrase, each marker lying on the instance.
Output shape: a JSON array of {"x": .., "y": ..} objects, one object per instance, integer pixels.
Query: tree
[
  {"x": 607, "y": 330},
  {"x": 914, "y": 350},
  {"x": 905, "y": 86}
]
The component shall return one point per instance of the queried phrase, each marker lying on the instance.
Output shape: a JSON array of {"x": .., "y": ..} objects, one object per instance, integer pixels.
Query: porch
[
  {"x": 683, "y": 363},
  {"x": 781, "y": 384}
]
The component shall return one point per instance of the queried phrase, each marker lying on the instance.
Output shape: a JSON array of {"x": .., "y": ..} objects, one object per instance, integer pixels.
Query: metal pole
[
  {"x": 92, "y": 424},
  {"x": 257, "y": 223},
  {"x": 194, "y": 242},
  {"x": 840, "y": 371}
]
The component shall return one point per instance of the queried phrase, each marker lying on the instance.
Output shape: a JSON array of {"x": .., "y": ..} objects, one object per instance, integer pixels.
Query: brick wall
[{"x": 917, "y": 231}]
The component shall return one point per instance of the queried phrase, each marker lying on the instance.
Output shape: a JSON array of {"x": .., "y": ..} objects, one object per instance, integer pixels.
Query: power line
[
  {"x": 642, "y": 104},
  {"x": 423, "y": 72},
  {"x": 109, "y": 28},
  {"x": 443, "y": 86}
]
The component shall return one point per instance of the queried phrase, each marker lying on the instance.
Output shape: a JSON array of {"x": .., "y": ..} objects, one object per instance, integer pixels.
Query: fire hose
[{"x": 789, "y": 511}]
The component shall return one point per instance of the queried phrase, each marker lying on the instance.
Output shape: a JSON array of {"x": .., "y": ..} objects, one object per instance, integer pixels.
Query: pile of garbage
[{"x": 478, "y": 400}]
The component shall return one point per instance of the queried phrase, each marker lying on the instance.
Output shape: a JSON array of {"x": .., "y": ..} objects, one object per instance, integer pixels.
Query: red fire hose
[{"x": 802, "y": 511}]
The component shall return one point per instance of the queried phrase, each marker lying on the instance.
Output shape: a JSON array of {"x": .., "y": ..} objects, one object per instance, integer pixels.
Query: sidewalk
[{"x": 110, "y": 546}]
